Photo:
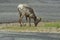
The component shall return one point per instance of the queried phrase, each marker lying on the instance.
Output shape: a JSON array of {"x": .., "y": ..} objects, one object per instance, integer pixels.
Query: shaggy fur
[{"x": 28, "y": 12}]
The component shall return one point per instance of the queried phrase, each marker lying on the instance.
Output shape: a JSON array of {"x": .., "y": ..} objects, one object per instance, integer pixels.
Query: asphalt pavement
[{"x": 29, "y": 36}]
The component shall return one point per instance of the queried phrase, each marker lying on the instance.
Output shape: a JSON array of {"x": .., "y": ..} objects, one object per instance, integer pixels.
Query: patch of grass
[{"x": 19, "y": 28}]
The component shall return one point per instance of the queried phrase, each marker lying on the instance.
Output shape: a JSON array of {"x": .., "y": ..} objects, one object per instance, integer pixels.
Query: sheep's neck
[{"x": 35, "y": 18}]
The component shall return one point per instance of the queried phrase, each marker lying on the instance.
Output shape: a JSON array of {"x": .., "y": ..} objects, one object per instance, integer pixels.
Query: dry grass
[{"x": 51, "y": 27}]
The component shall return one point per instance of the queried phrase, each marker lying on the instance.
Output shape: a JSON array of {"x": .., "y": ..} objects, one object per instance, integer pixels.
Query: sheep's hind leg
[{"x": 25, "y": 24}]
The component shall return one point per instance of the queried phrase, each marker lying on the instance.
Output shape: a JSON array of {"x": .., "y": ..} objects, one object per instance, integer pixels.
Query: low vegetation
[{"x": 42, "y": 27}]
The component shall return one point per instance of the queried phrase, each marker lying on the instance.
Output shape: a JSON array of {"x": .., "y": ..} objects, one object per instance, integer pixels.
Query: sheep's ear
[{"x": 37, "y": 17}]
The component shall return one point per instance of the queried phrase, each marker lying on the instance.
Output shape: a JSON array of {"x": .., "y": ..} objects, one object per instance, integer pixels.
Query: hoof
[
  {"x": 21, "y": 25},
  {"x": 30, "y": 25},
  {"x": 24, "y": 24}
]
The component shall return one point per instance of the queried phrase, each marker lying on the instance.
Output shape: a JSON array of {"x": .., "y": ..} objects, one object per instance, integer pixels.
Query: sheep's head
[{"x": 37, "y": 21}]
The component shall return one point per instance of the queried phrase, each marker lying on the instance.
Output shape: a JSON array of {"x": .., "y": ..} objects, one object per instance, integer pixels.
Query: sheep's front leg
[
  {"x": 29, "y": 21},
  {"x": 20, "y": 20}
]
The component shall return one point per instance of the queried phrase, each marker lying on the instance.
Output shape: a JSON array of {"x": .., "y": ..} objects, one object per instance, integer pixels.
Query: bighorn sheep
[{"x": 28, "y": 12}]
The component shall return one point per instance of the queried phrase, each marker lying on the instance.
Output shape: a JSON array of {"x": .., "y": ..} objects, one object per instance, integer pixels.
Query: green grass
[
  {"x": 18, "y": 28},
  {"x": 52, "y": 24},
  {"x": 42, "y": 27}
]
